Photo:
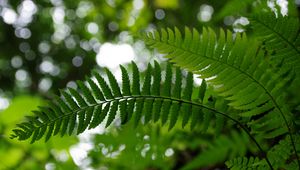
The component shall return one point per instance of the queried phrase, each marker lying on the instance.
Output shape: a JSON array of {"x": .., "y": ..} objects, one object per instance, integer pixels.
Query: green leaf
[
  {"x": 80, "y": 101},
  {"x": 125, "y": 82},
  {"x": 112, "y": 112},
  {"x": 174, "y": 113},
  {"x": 156, "y": 79},
  {"x": 96, "y": 90},
  {"x": 113, "y": 83},
  {"x": 138, "y": 111},
  {"x": 147, "y": 82},
  {"x": 167, "y": 82},
  {"x": 135, "y": 80},
  {"x": 96, "y": 116},
  {"x": 72, "y": 104},
  {"x": 176, "y": 93},
  {"x": 148, "y": 110},
  {"x": 165, "y": 111},
  {"x": 86, "y": 92},
  {"x": 104, "y": 87}
]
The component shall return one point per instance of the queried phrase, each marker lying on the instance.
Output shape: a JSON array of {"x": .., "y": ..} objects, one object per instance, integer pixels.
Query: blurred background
[{"x": 46, "y": 45}]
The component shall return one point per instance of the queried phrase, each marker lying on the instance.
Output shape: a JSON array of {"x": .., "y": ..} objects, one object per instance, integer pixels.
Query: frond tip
[{"x": 99, "y": 101}]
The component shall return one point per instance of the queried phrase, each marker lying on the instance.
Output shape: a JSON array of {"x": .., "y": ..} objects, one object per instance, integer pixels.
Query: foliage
[
  {"x": 280, "y": 155},
  {"x": 245, "y": 163},
  {"x": 221, "y": 149},
  {"x": 21, "y": 154},
  {"x": 280, "y": 41},
  {"x": 102, "y": 101},
  {"x": 137, "y": 148},
  {"x": 223, "y": 63},
  {"x": 244, "y": 114}
]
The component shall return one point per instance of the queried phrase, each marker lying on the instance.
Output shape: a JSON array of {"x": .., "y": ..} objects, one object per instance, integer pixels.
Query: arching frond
[
  {"x": 157, "y": 98},
  {"x": 281, "y": 37},
  {"x": 236, "y": 68}
]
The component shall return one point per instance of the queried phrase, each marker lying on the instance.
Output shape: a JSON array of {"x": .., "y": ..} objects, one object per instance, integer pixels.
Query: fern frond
[
  {"x": 220, "y": 149},
  {"x": 282, "y": 155},
  {"x": 236, "y": 68},
  {"x": 281, "y": 38},
  {"x": 245, "y": 163},
  {"x": 93, "y": 102}
]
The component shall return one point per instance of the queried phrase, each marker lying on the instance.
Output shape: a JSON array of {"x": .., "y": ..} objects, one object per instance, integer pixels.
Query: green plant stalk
[{"x": 180, "y": 101}]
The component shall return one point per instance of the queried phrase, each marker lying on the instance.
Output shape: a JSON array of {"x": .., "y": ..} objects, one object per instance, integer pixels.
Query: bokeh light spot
[
  {"x": 160, "y": 14},
  {"x": 111, "y": 55}
]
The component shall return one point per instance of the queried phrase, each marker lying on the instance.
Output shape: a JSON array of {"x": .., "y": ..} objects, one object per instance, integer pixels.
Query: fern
[
  {"x": 281, "y": 38},
  {"x": 236, "y": 68},
  {"x": 223, "y": 147},
  {"x": 234, "y": 7},
  {"x": 94, "y": 102},
  {"x": 282, "y": 155},
  {"x": 245, "y": 163}
]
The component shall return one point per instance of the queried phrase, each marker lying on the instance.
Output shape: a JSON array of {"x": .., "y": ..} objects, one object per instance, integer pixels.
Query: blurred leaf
[
  {"x": 233, "y": 7},
  {"x": 10, "y": 157},
  {"x": 235, "y": 144},
  {"x": 18, "y": 108},
  {"x": 60, "y": 143},
  {"x": 172, "y": 4}
]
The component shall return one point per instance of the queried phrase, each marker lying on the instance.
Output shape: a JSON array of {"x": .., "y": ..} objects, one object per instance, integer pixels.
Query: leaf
[
  {"x": 104, "y": 87},
  {"x": 168, "y": 81},
  {"x": 87, "y": 107},
  {"x": 174, "y": 113},
  {"x": 147, "y": 82},
  {"x": 233, "y": 65},
  {"x": 112, "y": 113},
  {"x": 135, "y": 80},
  {"x": 96, "y": 90},
  {"x": 177, "y": 88},
  {"x": 138, "y": 111},
  {"x": 245, "y": 163},
  {"x": 156, "y": 79},
  {"x": 126, "y": 82},
  {"x": 148, "y": 110},
  {"x": 113, "y": 83},
  {"x": 86, "y": 93}
]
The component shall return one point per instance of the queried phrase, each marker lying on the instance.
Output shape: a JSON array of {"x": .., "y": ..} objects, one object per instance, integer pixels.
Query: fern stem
[
  {"x": 256, "y": 81},
  {"x": 165, "y": 98},
  {"x": 281, "y": 113},
  {"x": 285, "y": 121}
]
